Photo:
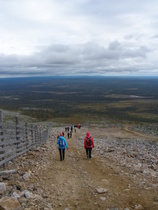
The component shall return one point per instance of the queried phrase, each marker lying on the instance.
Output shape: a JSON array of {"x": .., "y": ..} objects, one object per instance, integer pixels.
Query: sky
[{"x": 78, "y": 37}]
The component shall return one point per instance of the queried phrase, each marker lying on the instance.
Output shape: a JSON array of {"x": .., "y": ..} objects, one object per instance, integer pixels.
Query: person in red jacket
[{"x": 88, "y": 144}]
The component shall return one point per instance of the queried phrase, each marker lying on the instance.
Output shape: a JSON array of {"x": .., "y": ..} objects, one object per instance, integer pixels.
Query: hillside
[{"x": 122, "y": 174}]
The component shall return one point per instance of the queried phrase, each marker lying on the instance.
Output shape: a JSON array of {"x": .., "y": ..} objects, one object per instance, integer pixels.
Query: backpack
[
  {"x": 89, "y": 141},
  {"x": 61, "y": 143}
]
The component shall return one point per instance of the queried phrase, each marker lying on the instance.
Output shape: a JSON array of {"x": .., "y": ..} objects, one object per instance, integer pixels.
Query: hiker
[
  {"x": 62, "y": 144},
  {"x": 88, "y": 144},
  {"x": 66, "y": 129},
  {"x": 78, "y": 126},
  {"x": 68, "y": 135}
]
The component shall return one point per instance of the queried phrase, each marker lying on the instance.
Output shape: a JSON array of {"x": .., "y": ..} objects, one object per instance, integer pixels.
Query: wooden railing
[{"x": 16, "y": 139}]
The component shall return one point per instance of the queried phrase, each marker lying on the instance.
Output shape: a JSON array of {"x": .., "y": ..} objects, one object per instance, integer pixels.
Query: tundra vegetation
[{"x": 82, "y": 99}]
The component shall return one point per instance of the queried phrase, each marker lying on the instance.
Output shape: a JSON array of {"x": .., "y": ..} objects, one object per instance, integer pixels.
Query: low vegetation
[{"x": 81, "y": 99}]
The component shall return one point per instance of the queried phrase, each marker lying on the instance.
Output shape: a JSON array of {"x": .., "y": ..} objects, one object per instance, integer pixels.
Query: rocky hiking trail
[{"x": 118, "y": 177}]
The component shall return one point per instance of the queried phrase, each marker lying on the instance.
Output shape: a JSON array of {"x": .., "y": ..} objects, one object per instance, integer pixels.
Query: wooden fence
[{"x": 16, "y": 139}]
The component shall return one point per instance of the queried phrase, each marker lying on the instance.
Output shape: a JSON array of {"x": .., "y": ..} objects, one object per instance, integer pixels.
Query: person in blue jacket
[{"x": 62, "y": 144}]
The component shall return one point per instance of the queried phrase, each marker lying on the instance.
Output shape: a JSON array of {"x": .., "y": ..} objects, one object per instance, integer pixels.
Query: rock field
[{"x": 122, "y": 174}]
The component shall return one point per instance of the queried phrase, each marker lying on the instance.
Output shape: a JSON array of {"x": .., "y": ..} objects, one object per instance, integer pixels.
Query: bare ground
[{"x": 73, "y": 183}]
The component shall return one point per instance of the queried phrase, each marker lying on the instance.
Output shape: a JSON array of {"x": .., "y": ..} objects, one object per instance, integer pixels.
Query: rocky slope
[{"x": 122, "y": 174}]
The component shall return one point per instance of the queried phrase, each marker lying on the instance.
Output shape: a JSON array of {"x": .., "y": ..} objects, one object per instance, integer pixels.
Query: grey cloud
[
  {"x": 115, "y": 51},
  {"x": 140, "y": 52},
  {"x": 66, "y": 59},
  {"x": 106, "y": 8},
  {"x": 115, "y": 45},
  {"x": 82, "y": 36},
  {"x": 129, "y": 36},
  {"x": 155, "y": 37},
  {"x": 58, "y": 54},
  {"x": 57, "y": 48}
]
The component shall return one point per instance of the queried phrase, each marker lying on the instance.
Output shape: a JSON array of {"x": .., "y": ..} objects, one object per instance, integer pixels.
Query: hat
[
  {"x": 88, "y": 134},
  {"x": 61, "y": 134}
]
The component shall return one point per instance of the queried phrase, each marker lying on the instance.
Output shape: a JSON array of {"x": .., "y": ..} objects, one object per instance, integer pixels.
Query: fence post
[
  {"x": 2, "y": 134},
  {"x": 26, "y": 135},
  {"x": 43, "y": 136},
  {"x": 36, "y": 134},
  {"x": 40, "y": 136},
  {"x": 32, "y": 139},
  {"x": 17, "y": 133}
]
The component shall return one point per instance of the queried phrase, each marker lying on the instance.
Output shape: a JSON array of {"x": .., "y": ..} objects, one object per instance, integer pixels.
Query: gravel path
[{"x": 120, "y": 175}]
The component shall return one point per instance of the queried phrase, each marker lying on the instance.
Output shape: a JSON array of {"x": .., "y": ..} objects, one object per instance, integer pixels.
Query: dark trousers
[
  {"x": 62, "y": 154},
  {"x": 88, "y": 152}
]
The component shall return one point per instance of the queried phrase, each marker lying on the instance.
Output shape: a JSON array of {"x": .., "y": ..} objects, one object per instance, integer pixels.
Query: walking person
[
  {"x": 62, "y": 145},
  {"x": 68, "y": 135},
  {"x": 88, "y": 144}
]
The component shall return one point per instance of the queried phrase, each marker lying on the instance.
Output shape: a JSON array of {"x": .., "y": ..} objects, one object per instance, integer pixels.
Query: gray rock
[
  {"x": 15, "y": 195},
  {"x": 2, "y": 188},
  {"x": 26, "y": 176},
  {"x": 101, "y": 190},
  {"x": 138, "y": 207},
  {"x": 27, "y": 194},
  {"x": 102, "y": 198}
]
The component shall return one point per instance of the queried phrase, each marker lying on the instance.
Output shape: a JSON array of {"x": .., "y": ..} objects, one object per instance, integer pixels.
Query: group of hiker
[
  {"x": 69, "y": 134},
  {"x": 62, "y": 144}
]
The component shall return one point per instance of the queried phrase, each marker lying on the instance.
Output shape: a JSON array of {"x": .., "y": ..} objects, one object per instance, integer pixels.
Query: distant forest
[{"x": 133, "y": 99}]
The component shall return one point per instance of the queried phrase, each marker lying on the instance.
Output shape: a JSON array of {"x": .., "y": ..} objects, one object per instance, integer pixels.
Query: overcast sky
[{"x": 78, "y": 37}]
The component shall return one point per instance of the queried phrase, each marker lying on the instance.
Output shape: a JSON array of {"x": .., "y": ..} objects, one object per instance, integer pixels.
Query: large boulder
[{"x": 8, "y": 203}]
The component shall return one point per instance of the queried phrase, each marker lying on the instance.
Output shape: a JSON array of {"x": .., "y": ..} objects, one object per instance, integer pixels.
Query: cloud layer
[{"x": 82, "y": 37}]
